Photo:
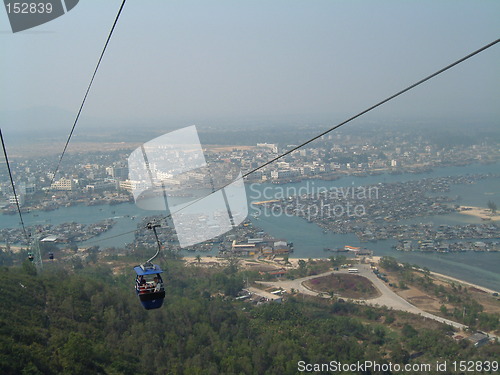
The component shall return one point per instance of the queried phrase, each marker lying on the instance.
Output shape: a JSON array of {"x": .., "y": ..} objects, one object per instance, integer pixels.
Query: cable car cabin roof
[{"x": 147, "y": 270}]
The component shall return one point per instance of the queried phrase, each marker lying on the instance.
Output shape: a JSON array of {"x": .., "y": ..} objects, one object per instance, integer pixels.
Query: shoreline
[
  {"x": 451, "y": 278},
  {"x": 479, "y": 212},
  {"x": 465, "y": 283}
]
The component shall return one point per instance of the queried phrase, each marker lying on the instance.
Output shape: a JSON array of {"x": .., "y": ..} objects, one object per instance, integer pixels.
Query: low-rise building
[{"x": 65, "y": 184}]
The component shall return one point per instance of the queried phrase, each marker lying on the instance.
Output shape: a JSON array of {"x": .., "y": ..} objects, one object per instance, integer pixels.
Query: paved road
[{"x": 387, "y": 296}]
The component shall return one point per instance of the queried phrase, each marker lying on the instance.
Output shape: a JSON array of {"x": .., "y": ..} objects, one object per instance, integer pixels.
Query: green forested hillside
[{"x": 90, "y": 322}]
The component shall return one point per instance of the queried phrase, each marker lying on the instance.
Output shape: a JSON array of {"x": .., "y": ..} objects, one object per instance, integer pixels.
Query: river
[{"x": 309, "y": 239}]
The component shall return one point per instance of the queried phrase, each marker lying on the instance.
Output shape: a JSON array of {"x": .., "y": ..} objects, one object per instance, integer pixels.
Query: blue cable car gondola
[
  {"x": 149, "y": 285},
  {"x": 148, "y": 282}
]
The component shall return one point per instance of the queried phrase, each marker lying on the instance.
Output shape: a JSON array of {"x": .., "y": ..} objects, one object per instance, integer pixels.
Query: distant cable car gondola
[{"x": 148, "y": 282}]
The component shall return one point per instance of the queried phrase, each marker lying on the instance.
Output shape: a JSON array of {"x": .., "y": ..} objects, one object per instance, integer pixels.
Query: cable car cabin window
[{"x": 149, "y": 284}]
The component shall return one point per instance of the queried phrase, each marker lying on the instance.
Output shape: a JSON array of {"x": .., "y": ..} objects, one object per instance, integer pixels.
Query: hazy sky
[{"x": 237, "y": 59}]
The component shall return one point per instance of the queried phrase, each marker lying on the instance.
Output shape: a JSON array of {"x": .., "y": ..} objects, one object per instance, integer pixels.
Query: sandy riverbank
[{"x": 482, "y": 213}]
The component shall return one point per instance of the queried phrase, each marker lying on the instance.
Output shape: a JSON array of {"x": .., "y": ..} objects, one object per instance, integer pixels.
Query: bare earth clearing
[{"x": 344, "y": 285}]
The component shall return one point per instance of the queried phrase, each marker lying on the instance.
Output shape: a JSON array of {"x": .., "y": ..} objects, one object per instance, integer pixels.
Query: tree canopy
[{"x": 90, "y": 322}]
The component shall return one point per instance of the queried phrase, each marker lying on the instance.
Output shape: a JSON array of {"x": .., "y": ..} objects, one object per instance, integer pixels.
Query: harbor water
[{"x": 309, "y": 239}]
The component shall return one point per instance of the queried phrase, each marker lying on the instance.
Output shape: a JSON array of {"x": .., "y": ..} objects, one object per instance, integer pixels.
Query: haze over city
[{"x": 172, "y": 64}]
